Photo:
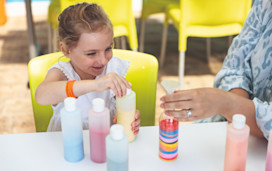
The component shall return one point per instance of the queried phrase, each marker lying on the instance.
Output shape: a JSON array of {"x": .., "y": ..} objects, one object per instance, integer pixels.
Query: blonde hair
[{"x": 81, "y": 18}]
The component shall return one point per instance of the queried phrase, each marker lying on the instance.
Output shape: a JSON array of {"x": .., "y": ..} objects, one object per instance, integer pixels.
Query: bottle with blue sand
[
  {"x": 71, "y": 125},
  {"x": 117, "y": 149}
]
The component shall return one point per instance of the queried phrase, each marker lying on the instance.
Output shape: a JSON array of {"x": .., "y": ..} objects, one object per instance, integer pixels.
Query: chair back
[
  {"x": 142, "y": 74},
  {"x": 214, "y": 12},
  {"x": 119, "y": 12}
]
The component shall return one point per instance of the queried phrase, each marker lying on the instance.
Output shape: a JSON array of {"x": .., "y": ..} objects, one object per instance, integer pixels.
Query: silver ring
[{"x": 189, "y": 113}]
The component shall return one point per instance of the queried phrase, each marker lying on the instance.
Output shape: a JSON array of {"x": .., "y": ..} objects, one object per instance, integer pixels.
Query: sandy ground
[{"x": 16, "y": 114}]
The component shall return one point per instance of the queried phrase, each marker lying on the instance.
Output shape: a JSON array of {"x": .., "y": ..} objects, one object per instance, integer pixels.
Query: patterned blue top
[{"x": 248, "y": 64}]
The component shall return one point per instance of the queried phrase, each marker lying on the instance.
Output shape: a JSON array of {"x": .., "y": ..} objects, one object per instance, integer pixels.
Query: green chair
[
  {"x": 149, "y": 8},
  {"x": 142, "y": 74},
  {"x": 207, "y": 18}
]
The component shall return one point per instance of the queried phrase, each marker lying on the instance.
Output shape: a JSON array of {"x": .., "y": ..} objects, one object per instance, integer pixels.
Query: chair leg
[
  {"x": 142, "y": 32},
  {"x": 123, "y": 42},
  {"x": 50, "y": 34},
  {"x": 208, "y": 49},
  {"x": 181, "y": 68},
  {"x": 55, "y": 40},
  {"x": 230, "y": 38},
  {"x": 163, "y": 44}
]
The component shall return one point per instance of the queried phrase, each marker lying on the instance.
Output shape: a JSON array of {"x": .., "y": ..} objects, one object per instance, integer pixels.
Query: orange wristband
[{"x": 69, "y": 88}]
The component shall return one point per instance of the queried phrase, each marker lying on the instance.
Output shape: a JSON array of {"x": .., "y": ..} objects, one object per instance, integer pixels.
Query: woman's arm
[
  {"x": 249, "y": 111},
  {"x": 207, "y": 102}
]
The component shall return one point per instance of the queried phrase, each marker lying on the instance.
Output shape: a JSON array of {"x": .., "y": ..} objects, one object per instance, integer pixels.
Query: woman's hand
[
  {"x": 202, "y": 103},
  {"x": 113, "y": 81},
  {"x": 135, "y": 125}
]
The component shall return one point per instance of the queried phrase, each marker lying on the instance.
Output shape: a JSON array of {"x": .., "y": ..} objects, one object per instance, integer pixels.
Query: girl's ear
[{"x": 64, "y": 49}]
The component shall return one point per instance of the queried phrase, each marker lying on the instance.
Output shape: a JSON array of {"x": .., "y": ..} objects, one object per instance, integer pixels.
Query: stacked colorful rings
[{"x": 169, "y": 139}]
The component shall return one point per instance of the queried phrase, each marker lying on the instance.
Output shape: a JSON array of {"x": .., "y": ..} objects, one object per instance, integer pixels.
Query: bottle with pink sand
[
  {"x": 268, "y": 166},
  {"x": 99, "y": 127},
  {"x": 236, "y": 144}
]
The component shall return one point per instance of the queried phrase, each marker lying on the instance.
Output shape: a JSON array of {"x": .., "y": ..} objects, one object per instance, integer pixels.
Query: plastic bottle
[
  {"x": 268, "y": 166},
  {"x": 125, "y": 108},
  {"x": 236, "y": 144},
  {"x": 99, "y": 127},
  {"x": 169, "y": 128},
  {"x": 71, "y": 123},
  {"x": 117, "y": 149}
]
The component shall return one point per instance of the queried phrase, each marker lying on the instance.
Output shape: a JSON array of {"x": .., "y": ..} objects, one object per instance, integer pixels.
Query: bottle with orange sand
[
  {"x": 268, "y": 166},
  {"x": 236, "y": 144},
  {"x": 125, "y": 109}
]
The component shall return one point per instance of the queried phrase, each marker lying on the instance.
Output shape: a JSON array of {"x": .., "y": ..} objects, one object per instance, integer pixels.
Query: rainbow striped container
[{"x": 169, "y": 139}]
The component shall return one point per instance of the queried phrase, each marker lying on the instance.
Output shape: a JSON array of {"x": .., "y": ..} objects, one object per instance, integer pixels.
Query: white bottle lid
[
  {"x": 238, "y": 121},
  {"x": 129, "y": 90},
  {"x": 98, "y": 105},
  {"x": 70, "y": 104},
  {"x": 117, "y": 132}
]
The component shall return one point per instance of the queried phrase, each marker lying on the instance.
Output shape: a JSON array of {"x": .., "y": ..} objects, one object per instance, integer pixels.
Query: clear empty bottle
[
  {"x": 236, "y": 144},
  {"x": 71, "y": 123},
  {"x": 99, "y": 127},
  {"x": 117, "y": 149}
]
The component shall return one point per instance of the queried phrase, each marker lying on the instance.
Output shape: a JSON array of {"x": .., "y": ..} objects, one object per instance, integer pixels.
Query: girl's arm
[{"x": 53, "y": 89}]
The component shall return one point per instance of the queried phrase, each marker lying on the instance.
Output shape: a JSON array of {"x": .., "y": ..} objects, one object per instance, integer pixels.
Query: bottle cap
[
  {"x": 238, "y": 121},
  {"x": 129, "y": 90},
  {"x": 70, "y": 104},
  {"x": 117, "y": 132},
  {"x": 98, "y": 105},
  {"x": 170, "y": 86}
]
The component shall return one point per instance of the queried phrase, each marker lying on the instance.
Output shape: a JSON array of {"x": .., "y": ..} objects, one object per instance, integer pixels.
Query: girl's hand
[
  {"x": 135, "y": 125},
  {"x": 113, "y": 81}
]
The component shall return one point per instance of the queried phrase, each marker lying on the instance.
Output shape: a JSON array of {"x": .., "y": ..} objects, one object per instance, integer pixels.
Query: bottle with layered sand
[
  {"x": 125, "y": 109},
  {"x": 169, "y": 128}
]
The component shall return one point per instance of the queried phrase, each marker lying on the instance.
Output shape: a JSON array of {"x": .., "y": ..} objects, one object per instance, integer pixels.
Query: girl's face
[{"x": 92, "y": 53}]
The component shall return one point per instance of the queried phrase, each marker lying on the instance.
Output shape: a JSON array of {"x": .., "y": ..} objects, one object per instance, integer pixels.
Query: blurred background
[{"x": 16, "y": 115}]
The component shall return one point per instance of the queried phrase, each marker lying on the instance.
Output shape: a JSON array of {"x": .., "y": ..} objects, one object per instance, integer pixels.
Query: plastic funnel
[{"x": 170, "y": 86}]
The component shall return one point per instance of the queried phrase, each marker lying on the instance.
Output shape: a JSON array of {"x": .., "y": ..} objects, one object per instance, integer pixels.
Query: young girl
[{"x": 86, "y": 37}]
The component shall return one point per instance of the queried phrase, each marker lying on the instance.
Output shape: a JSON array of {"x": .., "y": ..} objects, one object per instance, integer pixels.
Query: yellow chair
[
  {"x": 3, "y": 15},
  {"x": 142, "y": 74},
  {"x": 119, "y": 11},
  {"x": 207, "y": 18},
  {"x": 151, "y": 7}
]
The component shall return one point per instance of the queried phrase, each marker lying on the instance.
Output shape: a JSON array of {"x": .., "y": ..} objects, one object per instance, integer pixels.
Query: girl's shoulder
[
  {"x": 67, "y": 70},
  {"x": 118, "y": 65}
]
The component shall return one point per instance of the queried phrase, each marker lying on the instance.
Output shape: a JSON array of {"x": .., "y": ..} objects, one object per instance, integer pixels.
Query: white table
[{"x": 201, "y": 147}]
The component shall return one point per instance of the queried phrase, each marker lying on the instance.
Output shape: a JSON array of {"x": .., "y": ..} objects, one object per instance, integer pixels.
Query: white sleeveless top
[{"x": 117, "y": 65}]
